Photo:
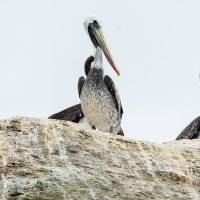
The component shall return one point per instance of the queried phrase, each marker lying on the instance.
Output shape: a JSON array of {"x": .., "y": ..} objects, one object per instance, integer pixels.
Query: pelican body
[{"x": 99, "y": 97}]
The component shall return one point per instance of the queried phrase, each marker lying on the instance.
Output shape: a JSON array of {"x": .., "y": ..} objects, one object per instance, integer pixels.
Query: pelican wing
[
  {"x": 87, "y": 65},
  {"x": 80, "y": 84},
  {"x": 73, "y": 114},
  {"x": 113, "y": 91},
  {"x": 192, "y": 131}
]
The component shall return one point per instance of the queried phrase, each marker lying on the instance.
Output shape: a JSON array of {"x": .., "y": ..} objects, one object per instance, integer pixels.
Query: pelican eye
[{"x": 96, "y": 24}]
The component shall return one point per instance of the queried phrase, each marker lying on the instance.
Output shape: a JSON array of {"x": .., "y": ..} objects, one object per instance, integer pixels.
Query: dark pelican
[
  {"x": 192, "y": 131},
  {"x": 99, "y": 97},
  {"x": 74, "y": 113}
]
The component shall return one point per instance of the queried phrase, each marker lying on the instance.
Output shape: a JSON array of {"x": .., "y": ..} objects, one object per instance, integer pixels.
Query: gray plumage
[
  {"x": 80, "y": 84},
  {"x": 100, "y": 101},
  {"x": 75, "y": 113},
  {"x": 192, "y": 131},
  {"x": 113, "y": 91}
]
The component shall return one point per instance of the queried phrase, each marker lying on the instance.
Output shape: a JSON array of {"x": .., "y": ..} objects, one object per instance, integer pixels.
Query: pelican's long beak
[{"x": 97, "y": 31}]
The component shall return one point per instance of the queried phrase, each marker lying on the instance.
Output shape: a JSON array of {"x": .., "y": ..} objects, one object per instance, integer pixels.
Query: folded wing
[
  {"x": 73, "y": 114},
  {"x": 192, "y": 131}
]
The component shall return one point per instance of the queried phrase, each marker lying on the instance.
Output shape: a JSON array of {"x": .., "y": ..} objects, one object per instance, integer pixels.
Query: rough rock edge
[{"x": 50, "y": 159}]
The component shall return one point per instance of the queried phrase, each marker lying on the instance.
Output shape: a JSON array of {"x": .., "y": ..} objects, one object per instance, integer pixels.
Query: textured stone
[{"x": 43, "y": 159}]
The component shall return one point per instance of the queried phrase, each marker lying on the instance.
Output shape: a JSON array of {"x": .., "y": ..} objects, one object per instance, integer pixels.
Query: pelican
[
  {"x": 99, "y": 97},
  {"x": 192, "y": 131},
  {"x": 75, "y": 113}
]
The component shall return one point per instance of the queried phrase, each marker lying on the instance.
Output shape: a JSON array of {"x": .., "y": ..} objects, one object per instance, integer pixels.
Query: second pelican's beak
[{"x": 98, "y": 39}]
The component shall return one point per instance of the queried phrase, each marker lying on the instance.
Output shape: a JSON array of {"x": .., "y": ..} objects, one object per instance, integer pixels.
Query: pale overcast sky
[{"x": 155, "y": 44}]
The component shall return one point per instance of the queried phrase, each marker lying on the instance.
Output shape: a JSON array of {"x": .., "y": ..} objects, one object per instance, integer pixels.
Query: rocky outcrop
[{"x": 57, "y": 160}]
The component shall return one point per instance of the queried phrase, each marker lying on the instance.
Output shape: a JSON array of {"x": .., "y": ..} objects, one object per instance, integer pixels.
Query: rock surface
[{"x": 43, "y": 159}]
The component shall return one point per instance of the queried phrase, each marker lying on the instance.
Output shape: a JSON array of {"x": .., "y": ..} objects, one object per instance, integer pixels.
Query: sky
[{"x": 155, "y": 45}]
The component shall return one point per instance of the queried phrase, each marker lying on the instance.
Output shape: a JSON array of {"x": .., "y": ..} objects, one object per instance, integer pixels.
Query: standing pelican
[
  {"x": 99, "y": 97},
  {"x": 75, "y": 113}
]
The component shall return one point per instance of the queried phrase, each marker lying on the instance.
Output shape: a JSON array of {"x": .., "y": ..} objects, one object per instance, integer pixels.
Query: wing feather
[
  {"x": 113, "y": 91},
  {"x": 73, "y": 114},
  {"x": 80, "y": 84},
  {"x": 87, "y": 65},
  {"x": 192, "y": 131}
]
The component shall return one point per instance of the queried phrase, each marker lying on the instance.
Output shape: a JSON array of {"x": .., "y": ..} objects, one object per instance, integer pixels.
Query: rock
[{"x": 42, "y": 159}]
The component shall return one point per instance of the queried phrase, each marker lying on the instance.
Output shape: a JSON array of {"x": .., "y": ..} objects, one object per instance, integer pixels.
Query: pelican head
[{"x": 94, "y": 30}]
